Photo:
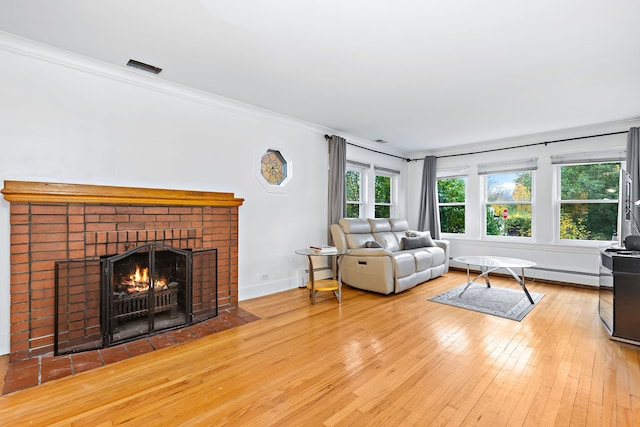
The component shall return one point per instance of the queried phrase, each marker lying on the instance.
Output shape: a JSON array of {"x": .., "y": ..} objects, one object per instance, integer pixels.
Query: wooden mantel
[{"x": 47, "y": 192}]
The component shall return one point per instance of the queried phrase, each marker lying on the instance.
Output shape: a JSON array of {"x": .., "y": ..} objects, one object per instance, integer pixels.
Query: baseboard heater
[
  {"x": 554, "y": 270},
  {"x": 551, "y": 270},
  {"x": 315, "y": 270}
]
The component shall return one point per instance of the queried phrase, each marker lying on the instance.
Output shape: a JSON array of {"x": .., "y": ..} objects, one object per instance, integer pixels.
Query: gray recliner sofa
[{"x": 386, "y": 257}]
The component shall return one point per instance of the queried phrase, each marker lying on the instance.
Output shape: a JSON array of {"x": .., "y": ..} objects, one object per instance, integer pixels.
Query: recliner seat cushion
[{"x": 405, "y": 264}]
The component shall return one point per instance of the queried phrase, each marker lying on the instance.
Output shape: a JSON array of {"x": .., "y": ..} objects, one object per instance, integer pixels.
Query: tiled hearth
[{"x": 55, "y": 222}]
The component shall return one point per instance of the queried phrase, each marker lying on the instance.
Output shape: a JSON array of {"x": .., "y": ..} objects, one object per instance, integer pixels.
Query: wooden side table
[{"x": 315, "y": 286}]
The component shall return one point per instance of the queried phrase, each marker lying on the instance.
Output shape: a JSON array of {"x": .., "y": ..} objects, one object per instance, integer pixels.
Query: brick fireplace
[{"x": 53, "y": 222}]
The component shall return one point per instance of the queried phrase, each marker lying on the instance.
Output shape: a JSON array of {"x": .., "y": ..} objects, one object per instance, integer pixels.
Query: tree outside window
[
  {"x": 383, "y": 196},
  {"x": 589, "y": 201},
  {"x": 508, "y": 204},
  {"x": 451, "y": 204},
  {"x": 353, "y": 183}
]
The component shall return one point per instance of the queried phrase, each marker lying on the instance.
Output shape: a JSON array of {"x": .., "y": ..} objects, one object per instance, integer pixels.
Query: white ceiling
[{"x": 421, "y": 75}]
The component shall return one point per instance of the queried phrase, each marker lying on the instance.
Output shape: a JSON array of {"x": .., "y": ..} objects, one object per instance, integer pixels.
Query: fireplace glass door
[{"x": 146, "y": 289}]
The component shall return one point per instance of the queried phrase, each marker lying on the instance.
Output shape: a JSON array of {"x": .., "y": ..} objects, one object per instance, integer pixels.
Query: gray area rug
[{"x": 508, "y": 303}]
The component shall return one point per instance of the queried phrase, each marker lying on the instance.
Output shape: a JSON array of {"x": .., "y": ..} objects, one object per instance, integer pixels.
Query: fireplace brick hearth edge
[{"x": 53, "y": 222}]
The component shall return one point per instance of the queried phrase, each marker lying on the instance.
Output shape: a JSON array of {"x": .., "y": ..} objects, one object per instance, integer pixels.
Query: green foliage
[
  {"x": 353, "y": 210},
  {"x": 452, "y": 219},
  {"x": 588, "y": 221},
  {"x": 495, "y": 224},
  {"x": 573, "y": 228},
  {"x": 352, "y": 184},
  {"x": 383, "y": 189},
  {"x": 597, "y": 181},
  {"x": 518, "y": 222},
  {"x": 518, "y": 226},
  {"x": 451, "y": 190},
  {"x": 383, "y": 211},
  {"x": 352, "y": 188},
  {"x": 590, "y": 182}
]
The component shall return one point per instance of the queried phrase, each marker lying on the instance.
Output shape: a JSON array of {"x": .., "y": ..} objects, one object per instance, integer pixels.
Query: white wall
[
  {"x": 559, "y": 261},
  {"x": 68, "y": 119}
]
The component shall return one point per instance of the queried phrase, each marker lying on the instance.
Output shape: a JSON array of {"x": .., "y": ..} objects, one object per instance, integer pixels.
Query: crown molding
[
  {"x": 43, "y": 52},
  {"x": 40, "y": 51},
  {"x": 558, "y": 134}
]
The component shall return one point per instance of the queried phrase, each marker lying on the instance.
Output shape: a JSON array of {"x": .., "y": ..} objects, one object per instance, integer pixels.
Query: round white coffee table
[{"x": 489, "y": 264}]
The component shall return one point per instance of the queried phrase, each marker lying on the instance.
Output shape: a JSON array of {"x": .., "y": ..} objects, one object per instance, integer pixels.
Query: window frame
[
  {"x": 361, "y": 169},
  {"x": 393, "y": 183},
  {"x": 463, "y": 204},
  {"x": 486, "y": 204},
  {"x": 368, "y": 173},
  {"x": 557, "y": 171}
]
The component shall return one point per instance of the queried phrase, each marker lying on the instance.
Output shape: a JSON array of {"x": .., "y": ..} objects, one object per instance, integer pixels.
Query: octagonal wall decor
[{"x": 274, "y": 171}]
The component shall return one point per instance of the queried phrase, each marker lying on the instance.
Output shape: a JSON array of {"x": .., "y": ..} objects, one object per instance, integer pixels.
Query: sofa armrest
[
  {"x": 444, "y": 244},
  {"x": 339, "y": 239}
]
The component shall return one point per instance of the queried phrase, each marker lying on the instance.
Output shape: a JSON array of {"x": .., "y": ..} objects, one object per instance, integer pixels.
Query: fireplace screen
[{"x": 148, "y": 289}]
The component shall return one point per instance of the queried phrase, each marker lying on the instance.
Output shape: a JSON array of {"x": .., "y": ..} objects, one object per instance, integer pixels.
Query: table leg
[
  {"x": 485, "y": 273},
  {"x": 312, "y": 280},
  {"x": 338, "y": 293},
  {"x": 520, "y": 280}
]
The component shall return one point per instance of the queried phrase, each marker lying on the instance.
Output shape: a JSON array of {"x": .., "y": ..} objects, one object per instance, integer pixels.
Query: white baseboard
[{"x": 261, "y": 289}]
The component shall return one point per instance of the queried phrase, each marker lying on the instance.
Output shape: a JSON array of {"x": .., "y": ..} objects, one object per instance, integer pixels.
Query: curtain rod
[
  {"x": 327, "y": 137},
  {"x": 545, "y": 143}
]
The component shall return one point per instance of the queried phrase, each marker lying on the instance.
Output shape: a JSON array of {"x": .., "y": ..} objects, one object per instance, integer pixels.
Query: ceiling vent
[{"x": 144, "y": 67}]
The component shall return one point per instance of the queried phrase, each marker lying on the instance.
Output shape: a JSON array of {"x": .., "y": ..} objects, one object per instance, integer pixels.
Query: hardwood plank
[{"x": 372, "y": 360}]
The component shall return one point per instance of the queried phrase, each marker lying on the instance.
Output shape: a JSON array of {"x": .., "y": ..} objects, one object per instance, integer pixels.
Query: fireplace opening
[
  {"x": 146, "y": 290},
  {"x": 151, "y": 288}
]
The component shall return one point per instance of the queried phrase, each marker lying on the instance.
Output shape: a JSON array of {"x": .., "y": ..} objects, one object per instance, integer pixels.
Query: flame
[
  {"x": 140, "y": 281},
  {"x": 159, "y": 283},
  {"x": 140, "y": 276}
]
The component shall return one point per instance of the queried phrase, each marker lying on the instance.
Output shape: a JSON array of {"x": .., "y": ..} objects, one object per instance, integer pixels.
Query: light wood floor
[{"x": 374, "y": 360}]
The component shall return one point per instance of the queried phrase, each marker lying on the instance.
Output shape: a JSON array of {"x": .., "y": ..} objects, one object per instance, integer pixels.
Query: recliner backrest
[{"x": 387, "y": 232}]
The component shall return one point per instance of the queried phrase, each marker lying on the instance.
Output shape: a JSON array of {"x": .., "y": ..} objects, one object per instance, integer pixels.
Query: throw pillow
[
  {"x": 417, "y": 242},
  {"x": 372, "y": 244},
  {"x": 412, "y": 233}
]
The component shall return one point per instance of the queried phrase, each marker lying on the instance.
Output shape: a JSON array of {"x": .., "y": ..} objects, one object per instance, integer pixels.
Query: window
[
  {"x": 588, "y": 196},
  {"x": 370, "y": 191},
  {"x": 353, "y": 183},
  {"x": 383, "y": 199},
  {"x": 508, "y": 204},
  {"x": 451, "y": 204}
]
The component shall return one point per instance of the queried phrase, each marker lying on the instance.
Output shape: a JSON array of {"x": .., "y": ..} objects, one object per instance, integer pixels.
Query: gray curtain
[
  {"x": 337, "y": 168},
  {"x": 429, "y": 218},
  {"x": 633, "y": 167}
]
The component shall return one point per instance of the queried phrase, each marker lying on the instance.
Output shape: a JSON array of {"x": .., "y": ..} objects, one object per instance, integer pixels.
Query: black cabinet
[{"x": 619, "y": 304}]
